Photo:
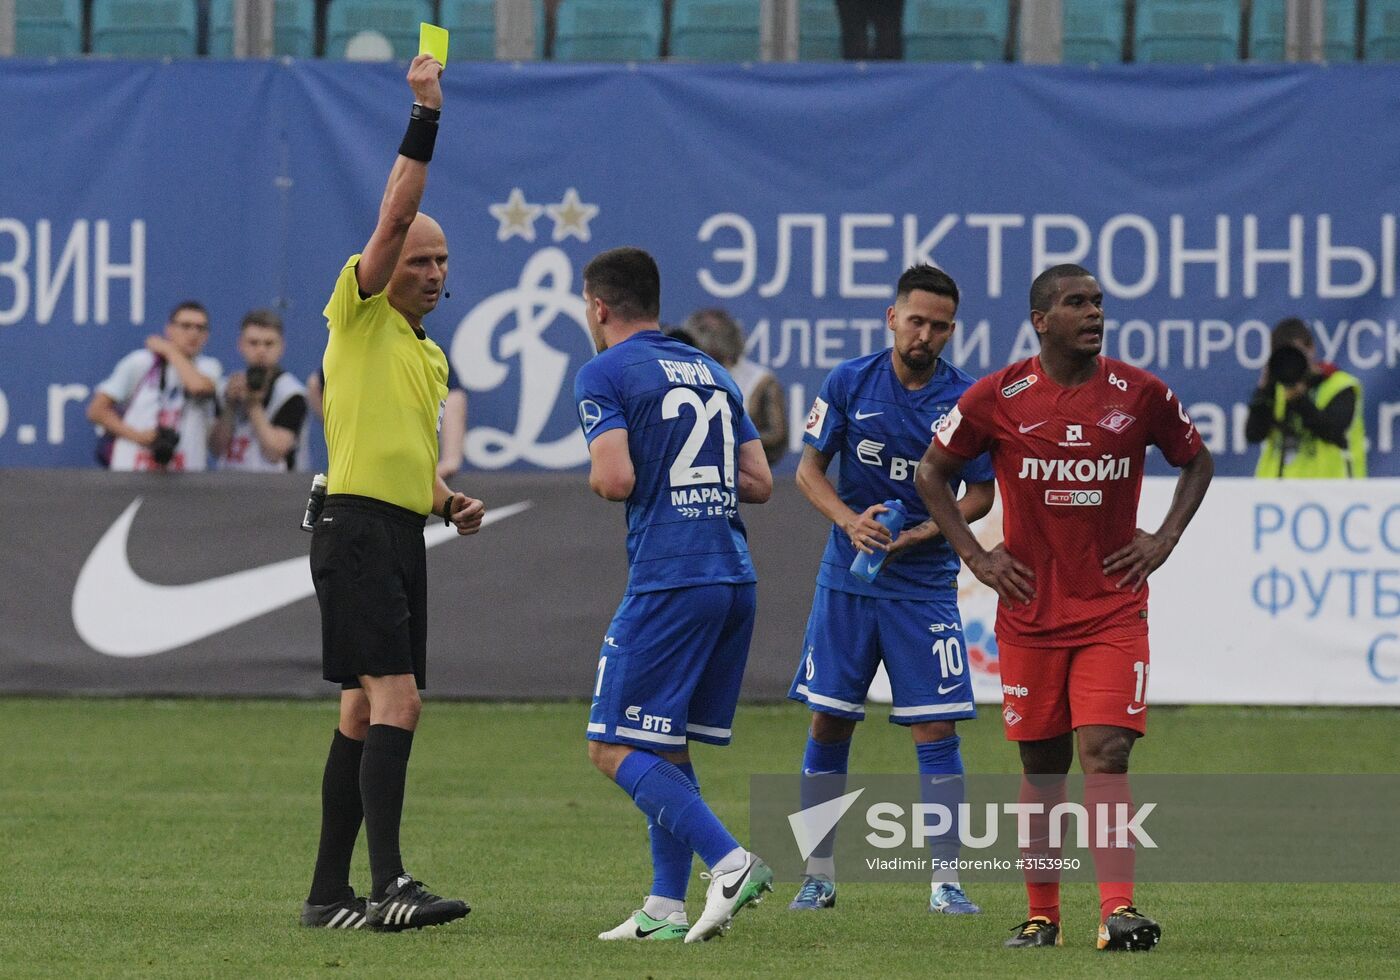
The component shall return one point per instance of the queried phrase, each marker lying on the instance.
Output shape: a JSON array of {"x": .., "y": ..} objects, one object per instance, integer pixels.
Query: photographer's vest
[
  {"x": 244, "y": 453},
  {"x": 157, "y": 398},
  {"x": 1308, "y": 457}
]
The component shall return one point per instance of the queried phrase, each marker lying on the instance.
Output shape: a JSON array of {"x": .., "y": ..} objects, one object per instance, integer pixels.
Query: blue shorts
[
  {"x": 671, "y": 666},
  {"x": 920, "y": 641}
]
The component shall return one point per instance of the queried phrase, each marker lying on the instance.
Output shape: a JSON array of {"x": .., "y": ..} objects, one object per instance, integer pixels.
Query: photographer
[
  {"x": 1307, "y": 414},
  {"x": 158, "y": 404},
  {"x": 262, "y": 409}
]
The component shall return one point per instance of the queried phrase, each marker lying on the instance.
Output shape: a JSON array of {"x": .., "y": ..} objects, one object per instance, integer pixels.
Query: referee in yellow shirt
[{"x": 385, "y": 384}]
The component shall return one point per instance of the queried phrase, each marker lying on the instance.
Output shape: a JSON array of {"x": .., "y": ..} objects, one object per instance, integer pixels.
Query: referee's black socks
[
  {"x": 383, "y": 771},
  {"x": 341, "y": 813}
]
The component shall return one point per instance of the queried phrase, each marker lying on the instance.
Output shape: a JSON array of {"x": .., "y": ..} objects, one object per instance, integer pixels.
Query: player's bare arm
[
  {"x": 755, "y": 478},
  {"x": 866, "y": 533},
  {"x": 997, "y": 569},
  {"x": 611, "y": 475},
  {"x": 975, "y": 504},
  {"x": 403, "y": 193},
  {"x": 1147, "y": 551}
]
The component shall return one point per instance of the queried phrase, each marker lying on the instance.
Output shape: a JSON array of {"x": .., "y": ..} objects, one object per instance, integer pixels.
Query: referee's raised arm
[{"x": 404, "y": 191}]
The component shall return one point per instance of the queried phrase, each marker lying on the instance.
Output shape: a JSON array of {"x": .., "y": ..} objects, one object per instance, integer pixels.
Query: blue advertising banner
[{"x": 1210, "y": 203}]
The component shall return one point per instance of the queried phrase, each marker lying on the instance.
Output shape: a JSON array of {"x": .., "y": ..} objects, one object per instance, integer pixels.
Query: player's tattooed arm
[
  {"x": 997, "y": 569},
  {"x": 974, "y": 505},
  {"x": 866, "y": 533},
  {"x": 1143, "y": 555}
]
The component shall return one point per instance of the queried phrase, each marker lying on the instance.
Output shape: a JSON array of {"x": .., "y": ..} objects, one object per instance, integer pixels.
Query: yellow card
[{"x": 433, "y": 40}]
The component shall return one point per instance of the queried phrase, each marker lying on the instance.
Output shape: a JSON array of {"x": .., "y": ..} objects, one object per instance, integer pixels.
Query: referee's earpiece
[{"x": 446, "y": 294}]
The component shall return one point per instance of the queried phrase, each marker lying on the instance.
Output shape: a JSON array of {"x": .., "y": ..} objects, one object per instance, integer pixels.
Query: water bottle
[
  {"x": 866, "y": 567},
  {"x": 314, "y": 502}
]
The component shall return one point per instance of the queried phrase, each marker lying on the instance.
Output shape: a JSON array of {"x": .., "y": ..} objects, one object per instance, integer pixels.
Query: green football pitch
[{"x": 176, "y": 838}]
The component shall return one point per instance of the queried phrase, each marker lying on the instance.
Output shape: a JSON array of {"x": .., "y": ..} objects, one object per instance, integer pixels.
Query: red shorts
[{"x": 1049, "y": 691}]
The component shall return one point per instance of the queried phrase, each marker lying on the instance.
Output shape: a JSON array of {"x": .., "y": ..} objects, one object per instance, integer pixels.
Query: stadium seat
[
  {"x": 145, "y": 28},
  {"x": 1093, "y": 31},
  {"x": 818, "y": 31},
  {"x": 955, "y": 30},
  {"x": 1339, "y": 30},
  {"x": 1186, "y": 31},
  {"x": 607, "y": 30},
  {"x": 716, "y": 30},
  {"x": 1382, "y": 30},
  {"x": 473, "y": 27},
  {"x": 46, "y": 28},
  {"x": 293, "y": 29},
  {"x": 1268, "y": 30},
  {"x": 395, "y": 21}
]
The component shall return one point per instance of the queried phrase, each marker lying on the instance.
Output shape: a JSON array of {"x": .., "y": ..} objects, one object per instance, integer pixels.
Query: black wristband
[
  {"x": 447, "y": 508},
  {"x": 419, "y": 139}
]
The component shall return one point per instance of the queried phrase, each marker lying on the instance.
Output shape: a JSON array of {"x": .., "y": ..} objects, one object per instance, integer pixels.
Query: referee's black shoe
[
  {"x": 409, "y": 905},
  {"x": 348, "y": 913},
  {"x": 1035, "y": 931},
  {"x": 1129, "y": 930}
]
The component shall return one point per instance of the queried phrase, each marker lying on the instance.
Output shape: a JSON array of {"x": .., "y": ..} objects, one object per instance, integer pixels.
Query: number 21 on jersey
[{"x": 684, "y": 472}]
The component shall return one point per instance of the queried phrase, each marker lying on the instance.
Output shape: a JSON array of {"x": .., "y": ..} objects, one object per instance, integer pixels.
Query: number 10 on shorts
[{"x": 950, "y": 656}]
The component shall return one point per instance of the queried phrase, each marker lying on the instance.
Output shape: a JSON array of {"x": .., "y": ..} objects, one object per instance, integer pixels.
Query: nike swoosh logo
[
  {"x": 1029, "y": 428},
  {"x": 1138, "y": 710},
  {"x": 118, "y": 613},
  {"x": 730, "y": 891},
  {"x": 861, "y": 416},
  {"x": 643, "y": 933},
  {"x": 951, "y": 687}
]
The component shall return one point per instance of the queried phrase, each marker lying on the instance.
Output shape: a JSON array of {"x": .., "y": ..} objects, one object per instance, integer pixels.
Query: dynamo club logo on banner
[{"x": 526, "y": 335}]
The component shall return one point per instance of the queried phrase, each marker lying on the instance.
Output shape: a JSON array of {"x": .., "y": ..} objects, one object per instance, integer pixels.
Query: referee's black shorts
[{"x": 370, "y": 568}]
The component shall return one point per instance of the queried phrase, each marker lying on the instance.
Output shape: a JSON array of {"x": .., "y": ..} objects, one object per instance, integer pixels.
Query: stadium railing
[{"x": 1032, "y": 31}]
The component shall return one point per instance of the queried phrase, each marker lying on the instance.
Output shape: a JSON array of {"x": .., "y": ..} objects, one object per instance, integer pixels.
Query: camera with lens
[
  {"x": 1288, "y": 365},
  {"x": 257, "y": 378},
  {"x": 163, "y": 446}
]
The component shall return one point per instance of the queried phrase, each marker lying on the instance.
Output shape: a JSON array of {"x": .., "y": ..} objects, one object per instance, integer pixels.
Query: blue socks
[
  {"x": 942, "y": 759},
  {"x": 670, "y": 856},
  {"x": 823, "y": 778},
  {"x": 671, "y": 801}
]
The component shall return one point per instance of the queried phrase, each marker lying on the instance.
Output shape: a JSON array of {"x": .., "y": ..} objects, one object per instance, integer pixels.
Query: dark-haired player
[
  {"x": 667, "y": 433},
  {"x": 1068, "y": 431},
  {"x": 879, "y": 413}
]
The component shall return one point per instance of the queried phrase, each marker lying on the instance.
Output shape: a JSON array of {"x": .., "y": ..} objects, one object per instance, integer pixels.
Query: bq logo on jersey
[{"x": 537, "y": 353}]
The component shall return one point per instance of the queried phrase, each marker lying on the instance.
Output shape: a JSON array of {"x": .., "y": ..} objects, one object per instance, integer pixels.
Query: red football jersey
[{"x": 1068, "y": 465}]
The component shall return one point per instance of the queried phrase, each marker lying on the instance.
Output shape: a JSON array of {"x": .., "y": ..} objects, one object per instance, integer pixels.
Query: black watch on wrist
[{"x": 424, "y": 113}]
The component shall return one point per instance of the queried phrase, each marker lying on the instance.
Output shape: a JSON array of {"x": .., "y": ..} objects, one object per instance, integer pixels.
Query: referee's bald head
[
  {"x": 424, "y": 227},
  {"x": 418, "y": 279}
]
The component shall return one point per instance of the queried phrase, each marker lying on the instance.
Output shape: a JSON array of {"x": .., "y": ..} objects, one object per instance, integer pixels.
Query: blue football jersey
[
  {"x": 685, "y": 422},
  {"x": 880, "y": 430}
]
